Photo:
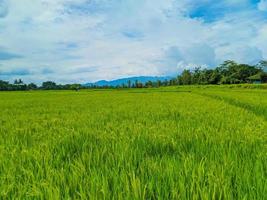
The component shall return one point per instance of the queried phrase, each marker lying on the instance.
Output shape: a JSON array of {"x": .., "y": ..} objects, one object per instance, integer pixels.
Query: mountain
[{"x": 118, "y": 82}]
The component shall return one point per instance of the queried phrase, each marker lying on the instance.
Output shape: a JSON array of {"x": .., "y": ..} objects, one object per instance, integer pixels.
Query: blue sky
[{"x": 87, "y": 40}]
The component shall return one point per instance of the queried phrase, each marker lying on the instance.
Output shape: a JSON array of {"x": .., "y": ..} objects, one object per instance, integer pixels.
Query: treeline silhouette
[
  {"x": 19, "y": 85},
  {"x": 229, "y": 72}
]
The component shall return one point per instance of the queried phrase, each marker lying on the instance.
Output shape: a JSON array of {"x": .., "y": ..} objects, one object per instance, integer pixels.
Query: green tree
[
  {"x": 149, "y": 84},
  {"x": 136, "y": 84},
  {"x": 32, "y": 86},
  {"x": 18, "y": 82},
  {"x": 4, "y": 85},
  {"x": 129, "y": 83},
  {"x": 185, "y": 78},
  {"x": 159, "y": 83},
  {"x": 49, "y": 85},
  {"x": 263, "y": 65}
]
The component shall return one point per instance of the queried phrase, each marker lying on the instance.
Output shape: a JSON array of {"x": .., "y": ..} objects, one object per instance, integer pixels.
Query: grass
[{"x": 168, "y": 143}]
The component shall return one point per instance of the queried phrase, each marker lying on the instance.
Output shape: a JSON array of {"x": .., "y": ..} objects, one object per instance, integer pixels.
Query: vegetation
[
  {"x": 229, "y": 72},
  {"x": 48, "y": 85},
  {"x": 190, "y": 142}
]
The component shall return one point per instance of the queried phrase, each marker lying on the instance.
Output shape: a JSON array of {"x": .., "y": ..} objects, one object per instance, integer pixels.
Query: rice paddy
[{"x": 166, "y": 143}]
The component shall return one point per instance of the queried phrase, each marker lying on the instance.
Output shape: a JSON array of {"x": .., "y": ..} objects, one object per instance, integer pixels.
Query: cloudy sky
[{"x": 87, "y": 40}]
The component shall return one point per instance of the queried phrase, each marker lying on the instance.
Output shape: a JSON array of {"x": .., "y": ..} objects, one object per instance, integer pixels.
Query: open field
[{"x": 167, "y": 143}]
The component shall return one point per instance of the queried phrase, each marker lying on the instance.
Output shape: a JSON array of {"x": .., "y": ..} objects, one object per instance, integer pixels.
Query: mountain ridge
[{"x": 121, "y": 81}]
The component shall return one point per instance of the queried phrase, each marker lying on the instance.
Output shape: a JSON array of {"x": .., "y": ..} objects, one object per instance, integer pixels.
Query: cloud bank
[{"x": 88, "y": 40}]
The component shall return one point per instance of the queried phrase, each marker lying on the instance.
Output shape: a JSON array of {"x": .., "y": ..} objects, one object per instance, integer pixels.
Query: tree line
[
  {"x": 19, "y": 85},
  {"x": 229, "y": 72}
]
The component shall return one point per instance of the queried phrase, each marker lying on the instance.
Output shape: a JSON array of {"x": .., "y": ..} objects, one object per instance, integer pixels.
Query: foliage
[
  {"x": 49, "y": 85},
  {"x": 229, "y": 72}
]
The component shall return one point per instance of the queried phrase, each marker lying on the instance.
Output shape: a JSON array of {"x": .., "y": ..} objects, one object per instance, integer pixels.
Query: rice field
[{"x": 167, "y": 143}]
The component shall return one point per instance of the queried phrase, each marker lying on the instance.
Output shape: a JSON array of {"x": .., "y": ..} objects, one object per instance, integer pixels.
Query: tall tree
[
  {"x": 129, "y": 83},
  {"x": 185, "y": 78},
  {"x": 49, "y": 85},
  {"x": 32, "y": 86}
]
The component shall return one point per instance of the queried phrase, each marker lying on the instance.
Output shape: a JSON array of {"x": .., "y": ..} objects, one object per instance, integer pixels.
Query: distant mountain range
[{"x": 118, "y": 82}]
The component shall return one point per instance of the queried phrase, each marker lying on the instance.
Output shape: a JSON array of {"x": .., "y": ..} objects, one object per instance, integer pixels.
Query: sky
[{"x": 79, "y": 41}]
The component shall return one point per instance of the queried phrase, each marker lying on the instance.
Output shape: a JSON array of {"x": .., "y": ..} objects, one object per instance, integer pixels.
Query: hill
[{"x": 117, "y": 82}]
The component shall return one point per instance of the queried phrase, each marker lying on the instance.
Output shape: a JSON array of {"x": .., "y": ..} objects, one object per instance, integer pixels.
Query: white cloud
[{"x": 82, "y": 40}]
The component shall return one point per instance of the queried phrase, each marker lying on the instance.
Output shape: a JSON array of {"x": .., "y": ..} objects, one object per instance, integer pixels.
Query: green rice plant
[{"x": 165, "y": 143}]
